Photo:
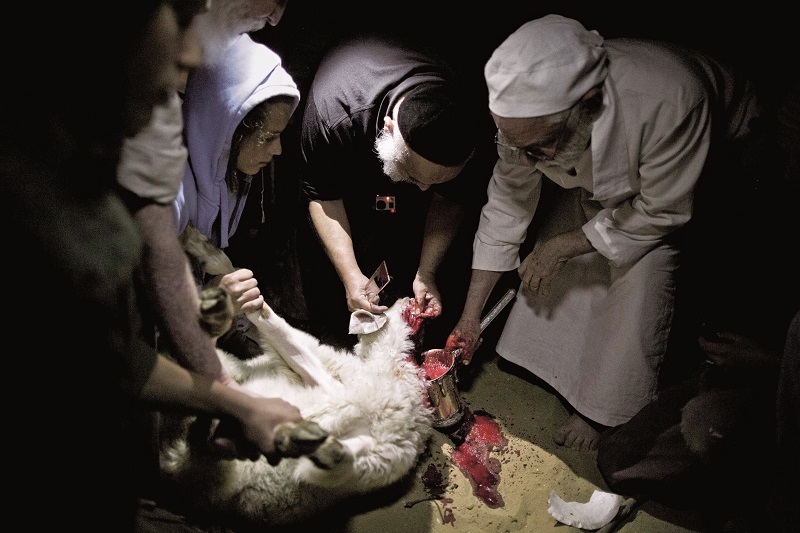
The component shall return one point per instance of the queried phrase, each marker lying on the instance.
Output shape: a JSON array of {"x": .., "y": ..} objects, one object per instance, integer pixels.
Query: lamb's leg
[
  {"x": 293, "y": 345},
  {"x": 211, "y": 259},
  {"x": 216, "y": 312},
  {"x": 307, "y": 438}
]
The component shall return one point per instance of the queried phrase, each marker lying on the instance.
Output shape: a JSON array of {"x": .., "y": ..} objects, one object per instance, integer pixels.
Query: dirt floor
[{"x": 531, "y": 467}]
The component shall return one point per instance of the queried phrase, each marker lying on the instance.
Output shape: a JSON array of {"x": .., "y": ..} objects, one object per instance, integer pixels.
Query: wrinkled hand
[
  {"x": 362, "y": 293},
  {"x": 737, "y": 351},
  {"x": 466, "y": 337},
  {"x": 254, "y": 435},
  {"x": 540, "y": 267},
  {"x": 242, "y": 287},
  {"x": 426, "y": 295}
]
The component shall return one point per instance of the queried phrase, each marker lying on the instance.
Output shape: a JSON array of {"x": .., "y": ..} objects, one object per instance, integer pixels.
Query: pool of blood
[{"x": 472, "y": 457}]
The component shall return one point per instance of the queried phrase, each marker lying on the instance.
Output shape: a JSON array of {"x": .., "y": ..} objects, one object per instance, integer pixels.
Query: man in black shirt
[{"x": 388, "y": 140}]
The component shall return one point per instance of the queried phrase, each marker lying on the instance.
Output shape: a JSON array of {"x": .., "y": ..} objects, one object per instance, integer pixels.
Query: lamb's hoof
[
  {"x": 202, "y": 251},
  {"x": 296, "y": 439},
  {"x": 329, "y": 454},
  {"x": 293, "y": 439},
  {"x": 216, "y": 311}
]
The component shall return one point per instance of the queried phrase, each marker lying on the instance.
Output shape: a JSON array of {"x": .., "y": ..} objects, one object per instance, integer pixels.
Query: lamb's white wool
[{"x": 372, "y": 399}]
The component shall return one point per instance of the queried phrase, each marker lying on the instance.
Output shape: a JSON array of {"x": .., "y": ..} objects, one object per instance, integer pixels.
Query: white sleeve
[
  {"x": 668, "y": 173},
  {"x": 153, "y": 162},
  {"x": 513, "y": 194}
]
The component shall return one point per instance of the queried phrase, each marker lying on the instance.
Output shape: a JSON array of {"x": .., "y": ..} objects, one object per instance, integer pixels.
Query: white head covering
[{"x": 544, "y": 67}]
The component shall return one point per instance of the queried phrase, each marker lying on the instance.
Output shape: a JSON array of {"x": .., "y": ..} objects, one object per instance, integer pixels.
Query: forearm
[
  {"x": 574, "y": 243},
  {"x": 173, "y": 386},
  {"x": 172, "y": 293},
  {"x": 444, "y": 219},
  {"x": 333, "y": 227},
  {"x": 480, "y": 287}
]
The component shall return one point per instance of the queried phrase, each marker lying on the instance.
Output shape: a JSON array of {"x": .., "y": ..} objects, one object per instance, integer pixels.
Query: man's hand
[
  {"x": 427, "y": 295},
  {"x": 540, "y": 267},
  {"x": 466, "y": 337},
  {"x": 362, "y": 293},
  {"x": 254, "y": 434}
]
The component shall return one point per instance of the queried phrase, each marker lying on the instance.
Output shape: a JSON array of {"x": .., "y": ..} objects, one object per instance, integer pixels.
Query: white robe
[{"x": 599, "y": 339}]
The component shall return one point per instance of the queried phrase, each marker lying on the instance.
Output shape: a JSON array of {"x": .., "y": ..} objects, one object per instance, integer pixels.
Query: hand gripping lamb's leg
[
  {"x": 294, "y": 346},
  {"x": 288, "y": 341},
  {"x": 305, "y": 438},
  {"x": 292, "y": 439}
]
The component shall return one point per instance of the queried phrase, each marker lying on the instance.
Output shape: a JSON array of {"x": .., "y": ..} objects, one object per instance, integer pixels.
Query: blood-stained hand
[
  {"x": 427, "y": 296},
  {"x": 466, "y": 337}
]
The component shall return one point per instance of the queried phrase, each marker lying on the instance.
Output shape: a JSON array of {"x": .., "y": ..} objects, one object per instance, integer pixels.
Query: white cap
[{"x": 544, "y": 67}]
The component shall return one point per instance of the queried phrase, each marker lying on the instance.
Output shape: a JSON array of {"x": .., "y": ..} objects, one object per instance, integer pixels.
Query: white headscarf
[
  {"x": 218, "y": 97},
  {"x": 544, "y": 67}
]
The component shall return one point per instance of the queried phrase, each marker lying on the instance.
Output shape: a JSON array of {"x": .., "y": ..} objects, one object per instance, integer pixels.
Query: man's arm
[
  {"x": 172, "y": 293},
  {"x": 172, "y": 386},
  {"x": 333, "y": 227},
  {"x": 441, "y": 226},
  {"x": 467, "y": 332}
]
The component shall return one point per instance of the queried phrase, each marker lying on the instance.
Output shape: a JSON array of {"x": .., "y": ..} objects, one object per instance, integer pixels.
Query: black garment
[
  {"x": 748, "y": 477},
  {"x": 356, "y": 85},
  {"x": 73, "y": 254}
]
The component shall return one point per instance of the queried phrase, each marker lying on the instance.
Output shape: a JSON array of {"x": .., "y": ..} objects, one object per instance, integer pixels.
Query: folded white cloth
[{"x": 362, "y": 321}]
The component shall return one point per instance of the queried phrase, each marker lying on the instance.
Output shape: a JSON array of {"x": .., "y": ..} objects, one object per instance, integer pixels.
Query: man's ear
[
  {"x": 593, "y": 101},
  {"x": 388, "y": 124}
]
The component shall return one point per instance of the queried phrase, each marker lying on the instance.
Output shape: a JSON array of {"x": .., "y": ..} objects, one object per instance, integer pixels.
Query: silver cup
[{"x": 448, "y": 408}]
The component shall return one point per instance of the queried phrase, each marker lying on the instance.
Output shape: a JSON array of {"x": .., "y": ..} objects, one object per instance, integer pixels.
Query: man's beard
[
  {"x": 569, "y": 153},
  {"x": 390, "y": 152}
]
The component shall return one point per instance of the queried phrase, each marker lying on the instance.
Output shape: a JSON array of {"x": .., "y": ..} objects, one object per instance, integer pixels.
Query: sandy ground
[{"x": 531, "y": 467}]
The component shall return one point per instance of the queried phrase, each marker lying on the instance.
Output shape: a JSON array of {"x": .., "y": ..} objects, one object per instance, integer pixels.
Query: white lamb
[{"x": 371, "y": 402}]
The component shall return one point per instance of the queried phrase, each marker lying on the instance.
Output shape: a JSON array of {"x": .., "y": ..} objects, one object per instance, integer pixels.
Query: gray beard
[
  {"x": 389, "y": 154},
  {"x": 569, "y": 153}
]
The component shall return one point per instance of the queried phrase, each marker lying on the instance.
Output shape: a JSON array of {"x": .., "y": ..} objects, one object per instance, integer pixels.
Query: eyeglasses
[{"x": 535, "y": 152}]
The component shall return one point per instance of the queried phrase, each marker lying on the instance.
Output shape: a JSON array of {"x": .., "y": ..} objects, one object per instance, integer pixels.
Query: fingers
[
  {"x": 251, "y": 302},
  {"x": 243, "y": 290}
]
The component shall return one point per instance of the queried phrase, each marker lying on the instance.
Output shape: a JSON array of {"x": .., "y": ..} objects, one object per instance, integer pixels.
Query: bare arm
[
  {"x": 172, "y": 386},
  {"x": 441, "y": 226},
  {"x": 467, "y": 332},
  {"x": 332, "y": 225},
  {"x": 172, "y": 293}
]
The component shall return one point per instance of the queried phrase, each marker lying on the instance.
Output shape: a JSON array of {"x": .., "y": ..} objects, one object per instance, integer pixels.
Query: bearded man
[
  {"x": 387, "y": 139},
  {"x": 602, "y": 145}
]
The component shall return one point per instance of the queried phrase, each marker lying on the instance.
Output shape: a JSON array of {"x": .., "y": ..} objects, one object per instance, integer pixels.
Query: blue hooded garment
[{"x": 218, "y": 96}]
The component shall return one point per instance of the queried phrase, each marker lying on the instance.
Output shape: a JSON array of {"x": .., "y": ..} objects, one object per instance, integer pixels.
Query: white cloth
[
  {"x": 362, "y": 321},
  {"x": 153, "y": 162},
  {"x": 599, "y": 338},
  {"x": 544, "y": 67}
]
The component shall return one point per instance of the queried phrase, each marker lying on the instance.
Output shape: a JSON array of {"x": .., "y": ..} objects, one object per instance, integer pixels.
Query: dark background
[{"x": 760, "y": 39}]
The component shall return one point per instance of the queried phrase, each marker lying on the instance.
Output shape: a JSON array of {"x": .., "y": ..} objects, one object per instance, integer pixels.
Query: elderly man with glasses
[{"x": 622, "y": 130}]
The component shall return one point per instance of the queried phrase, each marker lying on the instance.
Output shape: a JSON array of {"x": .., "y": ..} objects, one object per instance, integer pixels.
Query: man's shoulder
[{"x": 657, "y": 69}]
